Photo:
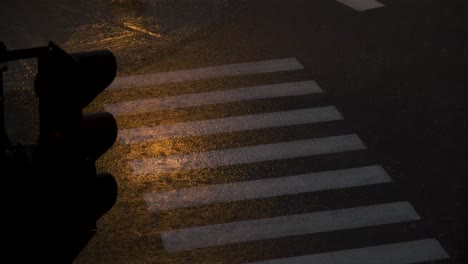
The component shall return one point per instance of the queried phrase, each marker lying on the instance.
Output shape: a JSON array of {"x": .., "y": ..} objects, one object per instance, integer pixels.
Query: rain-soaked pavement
[{"x": 292, "y": 131}]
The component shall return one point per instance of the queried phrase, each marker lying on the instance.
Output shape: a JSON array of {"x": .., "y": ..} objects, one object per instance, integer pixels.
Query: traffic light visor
[{"x": 74, "y": 79}]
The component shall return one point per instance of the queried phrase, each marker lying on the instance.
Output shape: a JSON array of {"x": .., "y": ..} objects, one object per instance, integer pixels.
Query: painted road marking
[
  {"x": 292, "y": 225},
  {"x": 216, "y": 97},
  {"x": 311, "y": 182},
  {"x": 230, "y": 124},
  {"x": 361, "y": 5},
  {"x": 399, "y": 253},
  {"x": 251, "y": 154},
  {"x": 160, "y": 78}
]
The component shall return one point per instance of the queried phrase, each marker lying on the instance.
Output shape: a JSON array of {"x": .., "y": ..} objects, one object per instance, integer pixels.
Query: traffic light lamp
[{"x": 69, "y": 195}]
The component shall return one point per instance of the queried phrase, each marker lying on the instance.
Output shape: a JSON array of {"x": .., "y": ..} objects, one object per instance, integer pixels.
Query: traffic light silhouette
[
  {"x": 59, "y": 194},
  {"x": 55, "y": 195},
  {"x": 70, "y": 142}
]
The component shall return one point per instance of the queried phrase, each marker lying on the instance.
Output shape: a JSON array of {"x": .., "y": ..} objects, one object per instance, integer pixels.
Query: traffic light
[
  {"x": 57, "y": 195},
  {"x": 70, "y": 142}
]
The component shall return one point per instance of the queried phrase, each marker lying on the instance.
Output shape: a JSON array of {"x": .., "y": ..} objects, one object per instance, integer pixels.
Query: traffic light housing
[
  {"x": 65, "y": 193},
  {"x": 70, "y": 142}
]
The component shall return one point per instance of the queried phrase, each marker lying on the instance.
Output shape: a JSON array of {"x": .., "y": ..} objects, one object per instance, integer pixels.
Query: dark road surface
[{"x": 303, "y": 131}]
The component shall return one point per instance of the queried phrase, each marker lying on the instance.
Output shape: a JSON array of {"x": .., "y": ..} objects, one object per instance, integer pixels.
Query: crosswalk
[
  {"x": 282, "y": 226},
  {"x": 270, "y": 187},
  {"x": 231, "y": 124},
  {"x": 215, "y": 235},
  {"x": 243, "y": 155},
  {"x": 405, "y": 252},
  {"x": 361, "y": 5}
]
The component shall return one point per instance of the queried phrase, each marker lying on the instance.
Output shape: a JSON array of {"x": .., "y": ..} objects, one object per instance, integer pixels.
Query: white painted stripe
[
  {"x": 361, "y": 5},
  {"x": 258, "y": 153},
  {"x": 216, "y": 97},
  {"x": 311, "y": 182},
  {"x": 267, "y": 66},
  {"x": 292, "y": 225},
  {"x": 399, "y": 253},
  {"x": 230, "y": 124}
]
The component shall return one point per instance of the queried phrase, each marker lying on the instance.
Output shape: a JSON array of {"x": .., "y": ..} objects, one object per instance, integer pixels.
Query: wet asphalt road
[
  {"x": 135, "y": 31},
  {"x": 397, "y": 75}
]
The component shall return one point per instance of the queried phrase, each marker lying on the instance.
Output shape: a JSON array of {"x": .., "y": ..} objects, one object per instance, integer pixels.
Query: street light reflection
[{"x": 140, "y": 29}]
